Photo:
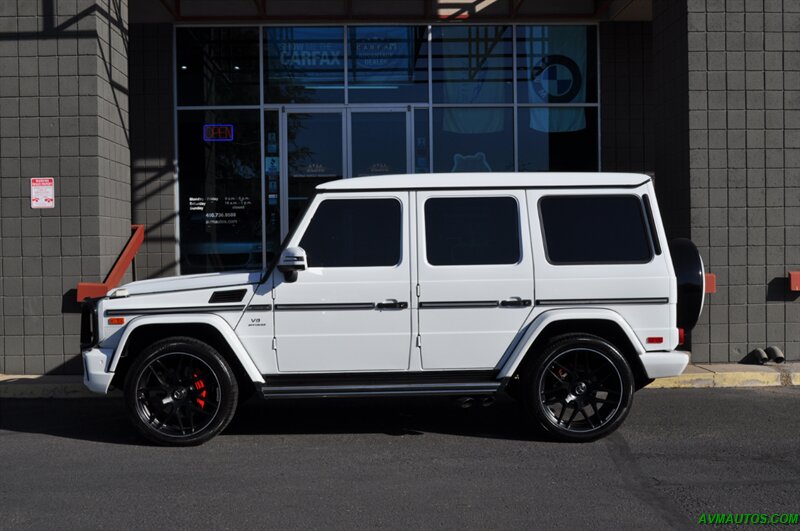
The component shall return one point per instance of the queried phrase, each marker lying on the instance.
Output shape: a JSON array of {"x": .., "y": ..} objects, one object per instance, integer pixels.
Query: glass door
[
  {"x": 378, "y": 141},
  {"x": 314, "y": 140}
]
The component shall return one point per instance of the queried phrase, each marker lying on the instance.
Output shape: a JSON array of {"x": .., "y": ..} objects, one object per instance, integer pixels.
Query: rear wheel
[
  {"x": 180, "y": 392},
  {"x": 580, "y": 389}
]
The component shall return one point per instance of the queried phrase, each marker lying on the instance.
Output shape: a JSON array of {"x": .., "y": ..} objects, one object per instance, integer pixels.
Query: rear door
[{"x": 475, "y": 274}]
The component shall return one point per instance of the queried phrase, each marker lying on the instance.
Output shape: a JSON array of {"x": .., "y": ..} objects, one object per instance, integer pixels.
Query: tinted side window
[
  {"x": 354, "y": 233},
  {"x": 472, "y": 231},
  {"x": 598, "y": 229}
]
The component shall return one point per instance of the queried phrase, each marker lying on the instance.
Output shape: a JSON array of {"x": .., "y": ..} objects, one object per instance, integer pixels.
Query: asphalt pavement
[{"x": 403, "y": 464}]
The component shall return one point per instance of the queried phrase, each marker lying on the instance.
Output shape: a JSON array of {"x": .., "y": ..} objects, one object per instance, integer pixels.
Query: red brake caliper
[{"x": 198, "y": 385}]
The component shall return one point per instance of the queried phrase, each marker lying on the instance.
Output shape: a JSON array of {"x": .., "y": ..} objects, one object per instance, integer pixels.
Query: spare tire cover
[{"x": 688, "y": 265}]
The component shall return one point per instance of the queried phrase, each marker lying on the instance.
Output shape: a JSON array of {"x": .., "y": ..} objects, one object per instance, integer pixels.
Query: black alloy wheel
[
  {"x": 581, "y": 389},
  {"x": 180, "y": 392}
]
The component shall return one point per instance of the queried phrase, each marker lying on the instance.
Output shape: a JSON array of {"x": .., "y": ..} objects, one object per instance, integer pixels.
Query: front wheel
[
  {"x": 580, "y": 389},
  {"x": 180, "y": 392}
]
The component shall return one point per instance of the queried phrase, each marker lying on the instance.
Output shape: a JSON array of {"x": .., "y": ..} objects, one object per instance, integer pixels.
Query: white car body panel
[
  {"x": 456, "y": 332},
  {"x": 215, "y": 321}
]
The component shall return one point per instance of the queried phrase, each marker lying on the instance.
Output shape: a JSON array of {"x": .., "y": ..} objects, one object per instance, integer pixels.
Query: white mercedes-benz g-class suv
[{"x": 559, "y": 289}]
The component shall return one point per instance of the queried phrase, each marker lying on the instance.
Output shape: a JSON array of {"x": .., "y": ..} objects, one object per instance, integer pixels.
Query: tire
[
  {"x": 580, "y": 388},
  {"x": 180, "y": 392},
  {"x": 690, "y": 276}
]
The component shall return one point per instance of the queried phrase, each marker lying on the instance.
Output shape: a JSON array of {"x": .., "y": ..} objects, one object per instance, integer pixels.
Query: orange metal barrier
[{"x": 91, "y": 290}]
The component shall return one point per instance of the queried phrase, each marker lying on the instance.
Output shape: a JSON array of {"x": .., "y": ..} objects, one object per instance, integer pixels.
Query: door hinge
[
  {"x": 274, "y": 343},
  {"x": 418, "y": 290},
  {"x": 419, "y": 341}
]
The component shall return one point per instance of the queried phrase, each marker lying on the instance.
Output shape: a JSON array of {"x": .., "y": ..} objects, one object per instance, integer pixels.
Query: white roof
[{"x": 485, "y": 180}]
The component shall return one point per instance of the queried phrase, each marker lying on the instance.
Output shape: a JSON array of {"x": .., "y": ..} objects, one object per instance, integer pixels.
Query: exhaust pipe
[{"x": 466, "y": 402}]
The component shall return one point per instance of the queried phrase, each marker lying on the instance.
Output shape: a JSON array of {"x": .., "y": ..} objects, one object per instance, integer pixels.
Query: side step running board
[{"x": 344, "y": 391}]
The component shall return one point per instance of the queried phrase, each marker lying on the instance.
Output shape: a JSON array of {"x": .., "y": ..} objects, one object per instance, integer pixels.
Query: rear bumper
[
  {"x": 663, "y": 364},
  {"x": 95, "y": 376}
]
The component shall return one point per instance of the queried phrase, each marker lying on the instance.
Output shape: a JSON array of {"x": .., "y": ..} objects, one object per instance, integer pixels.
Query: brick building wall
[
  {"x": 63, "y": 114},
  {"x": 153, "y": 148},
  {"x": 744, "y": 105}
]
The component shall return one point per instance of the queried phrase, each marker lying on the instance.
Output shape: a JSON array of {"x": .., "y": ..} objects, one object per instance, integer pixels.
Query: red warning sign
[{"x": 43, "y": 192}]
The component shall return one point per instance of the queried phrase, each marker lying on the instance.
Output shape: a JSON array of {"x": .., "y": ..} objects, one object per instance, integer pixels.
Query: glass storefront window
[
  {"x": 315, "y": 155},
  {"x": 220, "y": 190},
  {"x": 272, "y": 178},
  {"x": 422, "y": 142},
  {"x": 469, "y": 139},
  {"x": 557, "y": 138},
  {"x": 472, "y": 64},
  {"x": 304, "y": 65},
  {"x": 387, "y": 64},
  {"x": 217, "y": 66},
  {"x": 358, "y": 100},
  {"x": 556, "y": 64},
  {"x": 382, "y": 154}
]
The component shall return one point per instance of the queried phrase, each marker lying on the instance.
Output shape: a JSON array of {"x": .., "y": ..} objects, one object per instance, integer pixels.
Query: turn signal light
[
  {"x": 655, "y": 340},
  {"x": 116, "y": 320}
]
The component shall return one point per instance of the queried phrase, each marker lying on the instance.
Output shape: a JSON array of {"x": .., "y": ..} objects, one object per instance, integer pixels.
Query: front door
[
  {"x": 349, "y": 311},
  {"x": 475, "y": 276}
]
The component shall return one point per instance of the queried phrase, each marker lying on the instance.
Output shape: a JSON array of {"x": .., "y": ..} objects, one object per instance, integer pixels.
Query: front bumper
[
  {"x": 95, "y": 376},
  {"x": 663, "y": 364}
]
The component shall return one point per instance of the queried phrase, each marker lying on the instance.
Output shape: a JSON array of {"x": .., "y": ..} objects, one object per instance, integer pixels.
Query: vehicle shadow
[
  {"x": 505, "y": 419},
  {"x": 103, "y": 420}
]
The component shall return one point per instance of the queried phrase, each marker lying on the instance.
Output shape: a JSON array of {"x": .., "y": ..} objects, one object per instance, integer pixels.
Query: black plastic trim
[
  {"x": 602, "y": 302},
  {"x": 232, "y": 295},
  {"x": 187, "y": 309},
  {"x": 339, "y": 379},
  {"x": 321, "y": 307},
  {"x": 259, "y": 308},
  {"x": 440, "y": 389},
  {"x": 651, "y": 222},
  {"x": 458, "y": 304}
]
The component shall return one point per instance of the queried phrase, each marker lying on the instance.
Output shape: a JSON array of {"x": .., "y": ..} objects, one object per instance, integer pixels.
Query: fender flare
[
  {"x": 541, "y": 321},
  {"x": 215, "y": 321}
]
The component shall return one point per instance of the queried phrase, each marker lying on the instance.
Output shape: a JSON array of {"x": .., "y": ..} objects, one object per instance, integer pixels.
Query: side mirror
[{"x": 293, "y": 259}]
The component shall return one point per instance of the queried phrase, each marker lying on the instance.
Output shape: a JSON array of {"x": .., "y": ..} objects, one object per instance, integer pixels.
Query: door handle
[
  {"x": 515, "y": 302},
  {"x": 391, "y": 304}
]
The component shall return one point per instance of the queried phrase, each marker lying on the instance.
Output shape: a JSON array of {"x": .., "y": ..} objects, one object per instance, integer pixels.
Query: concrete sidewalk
[{"x": 695, "y": 376}]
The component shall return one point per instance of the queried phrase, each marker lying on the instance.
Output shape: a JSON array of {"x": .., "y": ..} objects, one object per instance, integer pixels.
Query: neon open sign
[{"x": 218, "y": 132}]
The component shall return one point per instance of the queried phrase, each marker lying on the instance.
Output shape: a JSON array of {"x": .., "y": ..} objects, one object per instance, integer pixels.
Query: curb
[
  {"x": 700, "y": 376},
  {"x": 703, "y": 375}
]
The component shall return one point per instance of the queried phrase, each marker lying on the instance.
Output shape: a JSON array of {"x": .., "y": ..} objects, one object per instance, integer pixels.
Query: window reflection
[
  {"x": 472, "y": 64},
  {"x": 220, "y": 191},
  {"x": 304, "y": 65},
  {"x": 470, "y": 139},
  {"x": 556, "y": 64},
  {"x": 557, "y": 139},
  {"x": 387, "y": 64},
  {"x": 217, "y": 66},
  {"x": 382, "y": 154},
  {"x": 315, "y": 155}
]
